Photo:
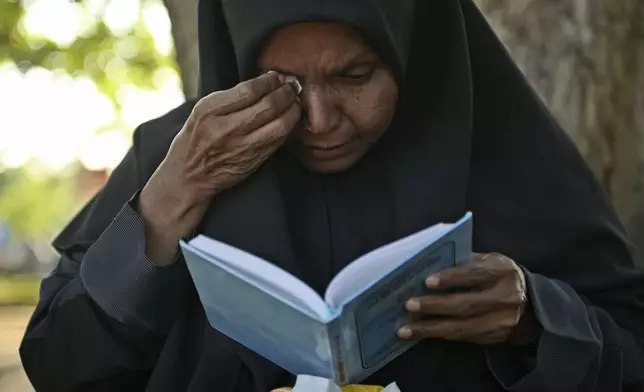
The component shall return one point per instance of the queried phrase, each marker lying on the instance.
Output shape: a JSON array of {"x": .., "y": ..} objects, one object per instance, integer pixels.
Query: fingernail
[
  {"x": 432, "y": 282},
  {"x": 297, "y": 86},
  {"x": 405, "y": 333},
  {"x": 413, "y": 305},
  {"x": 280, "y": 77}
]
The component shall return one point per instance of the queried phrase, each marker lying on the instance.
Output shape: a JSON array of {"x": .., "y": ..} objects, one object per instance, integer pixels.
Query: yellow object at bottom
[{"x": 348, "y": 388}]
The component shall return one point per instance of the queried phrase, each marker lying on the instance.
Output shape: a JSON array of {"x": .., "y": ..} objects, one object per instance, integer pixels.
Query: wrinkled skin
[
  {"x": 228, "y": 135},
  {"x": 231, "y": 133},
  {"x": 349, "y": 95}
]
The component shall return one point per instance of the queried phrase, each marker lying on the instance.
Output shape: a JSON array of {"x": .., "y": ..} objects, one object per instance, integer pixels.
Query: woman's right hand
[{"x": 228, "y": 135}]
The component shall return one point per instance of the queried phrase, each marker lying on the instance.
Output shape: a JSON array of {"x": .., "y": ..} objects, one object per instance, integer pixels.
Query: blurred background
[{"x": 76, "y": 78}]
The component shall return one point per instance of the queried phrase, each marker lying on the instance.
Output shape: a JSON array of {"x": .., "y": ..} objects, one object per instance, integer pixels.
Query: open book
[{"x": 345, "y": 336}]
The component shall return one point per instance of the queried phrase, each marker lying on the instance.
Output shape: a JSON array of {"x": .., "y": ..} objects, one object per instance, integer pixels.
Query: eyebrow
[{"x": 363, "y": 59}]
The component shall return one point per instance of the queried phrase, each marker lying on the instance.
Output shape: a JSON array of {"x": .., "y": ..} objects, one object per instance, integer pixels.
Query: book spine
[{"x": 336, "y": 340}]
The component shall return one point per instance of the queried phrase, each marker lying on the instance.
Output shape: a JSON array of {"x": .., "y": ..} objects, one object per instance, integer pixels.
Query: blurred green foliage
[
  {"x": 19, "y": 290},
  {"x": 37, "y": 206},
  {"x": 109, "y": 60}
]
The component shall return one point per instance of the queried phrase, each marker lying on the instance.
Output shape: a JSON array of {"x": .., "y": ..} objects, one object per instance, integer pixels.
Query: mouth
[
  {"x": 328, "y": 152},
  {"x": 325, "y": 148}
]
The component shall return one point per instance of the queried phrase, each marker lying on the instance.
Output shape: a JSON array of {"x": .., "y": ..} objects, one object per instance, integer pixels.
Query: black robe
[{"x": 469, "y": 134}]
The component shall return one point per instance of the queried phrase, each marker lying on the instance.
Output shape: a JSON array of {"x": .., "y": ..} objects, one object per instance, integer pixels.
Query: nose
[{"x": 321, "y": 109}]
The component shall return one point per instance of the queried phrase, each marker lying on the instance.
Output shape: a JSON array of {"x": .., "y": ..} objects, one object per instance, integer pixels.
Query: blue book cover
[{"x": 345, "y": 336}]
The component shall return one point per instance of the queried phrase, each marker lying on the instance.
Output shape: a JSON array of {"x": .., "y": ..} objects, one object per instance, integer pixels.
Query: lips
[
  {"x": 327, "y": 147},
  {"x": 328, "y": 152}
]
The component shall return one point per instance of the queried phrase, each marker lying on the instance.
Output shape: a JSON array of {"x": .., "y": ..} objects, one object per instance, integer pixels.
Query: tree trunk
[
  {"x": 586, "y": 60},
  {"x": 183, "y": 15}
]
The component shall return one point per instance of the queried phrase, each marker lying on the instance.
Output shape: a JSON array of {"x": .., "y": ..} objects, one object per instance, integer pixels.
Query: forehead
[{"x": 322, "y": 45}]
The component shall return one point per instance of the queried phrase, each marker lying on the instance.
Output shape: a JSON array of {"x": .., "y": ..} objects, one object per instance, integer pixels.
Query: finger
[
  {"x": 239, "y": 97},
  {"x": 295, "y": 83},
  {"x": 483, "y": 271},
  {"x": 460, "y": 329},
  {"x": 246, "y": 163},
  {"x": 276, "y": 130},
  {"x": 264, "y": 111},
  {"x": 251, "y": 151},
  {"x": 468, "y": 303}
]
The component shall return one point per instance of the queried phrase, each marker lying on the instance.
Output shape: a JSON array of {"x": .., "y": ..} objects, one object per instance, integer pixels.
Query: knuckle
[
  {"x": 512, "y": 272},
  {"x": 479, "y": 267},
  {"x": 505, "y": 262},
  {"x": 270, "y": 78},
  {"x": 509, "y": 323},
  {"x": 209, "y": 104},
  {"x": 515, "y": 298},
  {"x": 206, "y": 122},
  {"x": 244, "y": 91},
  {"x": 497, "y": 256},
  {"x": 482, "y": 272},
  {"x": 515, "y": 275},
  {"x": 476, "y": 269},
  {"x": 274, "y": 81},
  {"x": 213, "y": 129},
  {"x": 221, "y": 125},
  {"x": 200, "y": 109}
]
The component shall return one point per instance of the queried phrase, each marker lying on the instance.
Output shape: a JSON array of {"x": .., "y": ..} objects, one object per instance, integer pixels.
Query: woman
[{"x": 411, "y": 113}]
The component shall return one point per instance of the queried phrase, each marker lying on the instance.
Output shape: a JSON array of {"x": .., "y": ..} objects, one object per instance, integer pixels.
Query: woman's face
[{"x": 349, "y": 95}]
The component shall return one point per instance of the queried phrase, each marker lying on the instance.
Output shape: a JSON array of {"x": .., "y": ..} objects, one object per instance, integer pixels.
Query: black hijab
[
  {"x": 417, "y": 174},
  {"x": 469, "y": 134}
]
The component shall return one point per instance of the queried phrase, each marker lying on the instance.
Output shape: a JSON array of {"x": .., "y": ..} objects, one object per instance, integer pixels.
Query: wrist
[
  {"x": 167, "y": 218},
  {"x": 161, "y": 209}
]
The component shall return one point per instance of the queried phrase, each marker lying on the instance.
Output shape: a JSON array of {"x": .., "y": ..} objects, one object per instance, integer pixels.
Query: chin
[{"x": 330, "y": 166}]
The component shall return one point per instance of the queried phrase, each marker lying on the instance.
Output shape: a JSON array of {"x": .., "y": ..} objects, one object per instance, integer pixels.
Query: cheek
[{"x": 372, "y": 109}]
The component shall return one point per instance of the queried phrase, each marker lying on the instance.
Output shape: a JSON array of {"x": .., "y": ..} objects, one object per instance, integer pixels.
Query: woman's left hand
[{"x": 489, "y": 312}]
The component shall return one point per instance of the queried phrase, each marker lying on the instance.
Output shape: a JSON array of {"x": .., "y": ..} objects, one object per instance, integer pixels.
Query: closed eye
[{"x": 359, "y": 73}]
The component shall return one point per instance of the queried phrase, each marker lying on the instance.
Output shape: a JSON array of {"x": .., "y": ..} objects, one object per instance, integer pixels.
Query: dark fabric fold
[{"x": 124, "y": 282}]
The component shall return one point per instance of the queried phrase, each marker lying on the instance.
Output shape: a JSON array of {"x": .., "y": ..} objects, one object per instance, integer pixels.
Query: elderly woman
[{"x": 410, "y": 113}]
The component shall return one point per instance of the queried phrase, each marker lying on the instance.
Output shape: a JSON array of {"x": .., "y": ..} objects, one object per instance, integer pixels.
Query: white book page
[
  {"x": 264, "y": 275},
  {"x": 377, "y": 263}
]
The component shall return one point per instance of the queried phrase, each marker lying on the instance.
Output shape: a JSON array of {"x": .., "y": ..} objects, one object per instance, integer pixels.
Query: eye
[{"x": 359, "y": 73}]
